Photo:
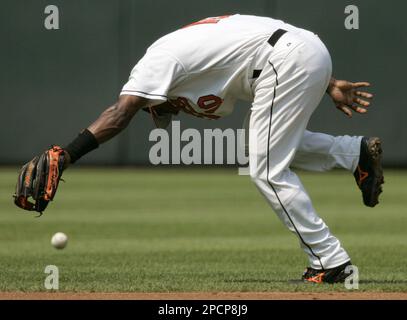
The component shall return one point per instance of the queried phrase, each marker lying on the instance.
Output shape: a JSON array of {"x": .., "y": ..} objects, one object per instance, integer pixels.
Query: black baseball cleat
[
  {"x": 369, "y": 173},
  {"x": 334, "y": 275}
]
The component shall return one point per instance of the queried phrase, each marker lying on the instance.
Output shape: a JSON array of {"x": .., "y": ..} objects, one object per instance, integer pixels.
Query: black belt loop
[
  {"x": 272, "y": 41},
  {"x": 276, "y": 36}
]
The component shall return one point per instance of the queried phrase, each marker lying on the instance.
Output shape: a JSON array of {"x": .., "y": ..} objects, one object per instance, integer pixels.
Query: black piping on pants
[{"x": 268, "y": 168}]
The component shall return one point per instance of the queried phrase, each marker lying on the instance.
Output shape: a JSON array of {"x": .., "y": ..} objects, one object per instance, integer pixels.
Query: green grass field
[{"x": 160, "y": 230}]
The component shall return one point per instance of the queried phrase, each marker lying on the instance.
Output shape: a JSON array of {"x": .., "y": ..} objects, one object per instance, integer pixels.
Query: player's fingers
[
  {"x": 362, "y": 94},
  {"x": 360, "y": 84},
  {"x": 362, "y": 102},
  {"x": 358, "y": 109},
  {"x": 346, "y": 110}
]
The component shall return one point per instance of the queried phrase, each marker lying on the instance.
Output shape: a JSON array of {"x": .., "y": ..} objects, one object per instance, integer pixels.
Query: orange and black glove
[{"x": 38, "y": 180}]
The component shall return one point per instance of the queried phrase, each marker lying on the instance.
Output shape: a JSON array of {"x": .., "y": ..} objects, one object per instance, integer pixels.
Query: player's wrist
[
  {"x": 67, "y": 160},
  {"x": 331, "y": 85},
  {"x": 84, "y": 143}
]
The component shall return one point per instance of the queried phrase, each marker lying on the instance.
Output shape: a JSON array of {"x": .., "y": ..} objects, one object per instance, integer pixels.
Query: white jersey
[{"x": 204, "y": 67}]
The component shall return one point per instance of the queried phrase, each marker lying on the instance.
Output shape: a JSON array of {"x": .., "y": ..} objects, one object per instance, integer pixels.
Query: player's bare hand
[{"x": 349, "y": 96}]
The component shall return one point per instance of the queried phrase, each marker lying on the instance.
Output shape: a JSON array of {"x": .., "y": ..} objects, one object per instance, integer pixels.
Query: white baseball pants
[{"x": 292, "y": 83}]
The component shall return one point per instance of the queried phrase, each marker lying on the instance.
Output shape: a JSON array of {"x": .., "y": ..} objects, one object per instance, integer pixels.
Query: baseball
[{"x": 59, "y": 240}]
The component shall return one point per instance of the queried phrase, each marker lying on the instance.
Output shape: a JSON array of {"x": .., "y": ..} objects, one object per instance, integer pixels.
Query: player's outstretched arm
[
  {"x": 111, "y": 122},
  {"x": 349, "y": 96},
  {"x": 115, "y": 118},
  {"x": 38, "y": 180}
]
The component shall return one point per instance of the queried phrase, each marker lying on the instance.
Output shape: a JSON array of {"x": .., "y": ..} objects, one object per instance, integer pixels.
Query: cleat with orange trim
[
  {"x": 369, "y": 173},
  {"x": 334, "y": 275}
]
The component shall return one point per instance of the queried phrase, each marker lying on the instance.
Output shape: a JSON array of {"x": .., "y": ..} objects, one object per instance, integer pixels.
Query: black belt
[
  {"x": 276, "y": 36},
  {"x": 272, "y": 41}
]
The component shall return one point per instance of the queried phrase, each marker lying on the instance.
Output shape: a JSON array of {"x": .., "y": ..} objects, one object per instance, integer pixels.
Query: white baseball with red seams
[{"x": 205, "y": 67}]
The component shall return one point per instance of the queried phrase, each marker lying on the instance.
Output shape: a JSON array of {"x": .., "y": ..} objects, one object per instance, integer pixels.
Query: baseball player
[{"x": 203, "y": 69}]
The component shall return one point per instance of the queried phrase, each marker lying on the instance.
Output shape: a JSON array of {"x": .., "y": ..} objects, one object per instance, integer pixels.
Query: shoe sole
[{"x": 375, "y": 153}]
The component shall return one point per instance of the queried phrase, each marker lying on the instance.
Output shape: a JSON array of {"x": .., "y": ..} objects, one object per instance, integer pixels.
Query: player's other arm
[
  {"x": 110, "y": 123},
  {"x": 349, "y": 96}
]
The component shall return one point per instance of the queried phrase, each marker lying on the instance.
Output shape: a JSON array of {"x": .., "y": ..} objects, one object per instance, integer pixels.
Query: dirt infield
[{"x": 204, "y": 296}]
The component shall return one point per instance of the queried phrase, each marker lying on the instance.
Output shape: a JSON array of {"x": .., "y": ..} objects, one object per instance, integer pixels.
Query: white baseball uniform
[{"x": 284, "y": 71}]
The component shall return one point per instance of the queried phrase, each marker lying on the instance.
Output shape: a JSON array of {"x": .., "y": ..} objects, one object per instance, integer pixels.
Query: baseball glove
[{"x": 39, "y": 180}]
